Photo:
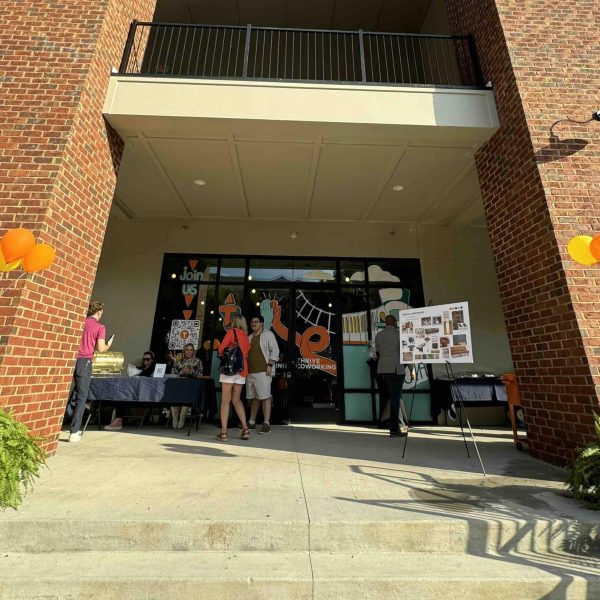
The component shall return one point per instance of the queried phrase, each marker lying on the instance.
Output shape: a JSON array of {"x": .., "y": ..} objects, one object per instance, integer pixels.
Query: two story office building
[{"x": 322, "y": 163}]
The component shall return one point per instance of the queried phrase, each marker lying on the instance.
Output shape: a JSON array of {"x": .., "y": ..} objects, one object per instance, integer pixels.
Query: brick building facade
[
  {"x": 538, "y": 192},
  {"x": 58, "y": 167}
]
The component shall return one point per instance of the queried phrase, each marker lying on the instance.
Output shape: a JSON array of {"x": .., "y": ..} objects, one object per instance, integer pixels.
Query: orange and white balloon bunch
[{"x": 18, "y": 249}]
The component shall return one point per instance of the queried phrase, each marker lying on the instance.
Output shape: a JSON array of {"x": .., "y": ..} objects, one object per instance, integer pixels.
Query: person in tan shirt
[{"x": 264, "y": 353}]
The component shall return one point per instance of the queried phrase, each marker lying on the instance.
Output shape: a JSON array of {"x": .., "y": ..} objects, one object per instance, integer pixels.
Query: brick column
[
  {"x": 540, "y": 190},
  {"x": 58, "y": 165}
]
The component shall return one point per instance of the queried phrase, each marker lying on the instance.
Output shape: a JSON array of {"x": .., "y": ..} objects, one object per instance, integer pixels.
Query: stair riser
[
  {"x": 274, "y": 536},
  {"x": 333, "y": 589}
]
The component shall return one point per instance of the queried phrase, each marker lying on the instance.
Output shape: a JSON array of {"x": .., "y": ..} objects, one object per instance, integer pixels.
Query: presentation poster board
[
  {"x": 184, "y": 332},
  {"x": 436, "y": 334}
]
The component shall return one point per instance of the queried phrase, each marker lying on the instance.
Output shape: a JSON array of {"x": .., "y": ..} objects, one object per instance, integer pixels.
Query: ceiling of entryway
[
  {"x": 290, "y": 172},
  {"x": 371, "y": 15}
]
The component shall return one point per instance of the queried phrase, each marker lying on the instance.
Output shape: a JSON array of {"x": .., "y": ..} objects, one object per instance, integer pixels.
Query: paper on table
[{"x": 132, "y": 370}]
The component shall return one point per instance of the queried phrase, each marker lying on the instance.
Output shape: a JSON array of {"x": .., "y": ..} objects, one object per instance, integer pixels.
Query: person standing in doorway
[
  {"x": 387, "y": 346},
  {"x": 93, "y": 340},
  {"x": 264, "y": 353}
]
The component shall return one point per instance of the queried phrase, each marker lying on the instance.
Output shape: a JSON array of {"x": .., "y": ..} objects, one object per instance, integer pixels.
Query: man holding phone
[{"x": 93, "y": 340}]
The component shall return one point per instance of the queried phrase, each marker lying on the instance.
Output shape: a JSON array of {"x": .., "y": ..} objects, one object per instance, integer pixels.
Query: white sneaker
[
  {"x": 182, "y": 418},
  {"x": 74, "y": 438}
]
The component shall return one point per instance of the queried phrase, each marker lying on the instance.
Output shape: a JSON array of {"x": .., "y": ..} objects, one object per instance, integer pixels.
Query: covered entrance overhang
[
  {"x": 290, "y": 151},
  {"x": 237, "y": 172}
]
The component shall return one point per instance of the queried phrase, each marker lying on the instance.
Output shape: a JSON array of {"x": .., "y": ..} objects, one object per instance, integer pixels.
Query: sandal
[
  {"x": 245, "y": 434},
  {"x": 222, "y": 437}
]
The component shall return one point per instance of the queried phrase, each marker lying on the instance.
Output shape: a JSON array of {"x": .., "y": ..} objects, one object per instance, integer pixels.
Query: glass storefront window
[
  {"x": 355, "y": 338},
  {"x": 189, "y": 269},
  {"x": 405, "y": 273},
  {"x": 352, "y": 271},
  {"x": 323, "y": 321},
  {"x": 385, "y": 301},
  {"x": 228, "y": 303},
  {"x": 382, "y": 271},
  {"x": 232, "y": 269},
  {"x": 314, "y": 271},
  {"x": 272, "y": 270}
]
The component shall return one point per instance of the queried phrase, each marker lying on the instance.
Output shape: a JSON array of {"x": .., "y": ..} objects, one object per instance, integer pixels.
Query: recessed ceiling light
[
  {"x": 199, "y": 182},
  {"x": 249, "y": 277},
  {"x": 253, "y": 291},
  {"x": 347, "y": 279},
  {"x": 173, "y": 276},
  {"x": 294, "y": 235},
  {"x": 398, "y": 188}
]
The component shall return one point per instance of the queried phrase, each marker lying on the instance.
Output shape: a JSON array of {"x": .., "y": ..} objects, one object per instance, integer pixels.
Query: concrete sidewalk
[{"x": 314, "y": 491}]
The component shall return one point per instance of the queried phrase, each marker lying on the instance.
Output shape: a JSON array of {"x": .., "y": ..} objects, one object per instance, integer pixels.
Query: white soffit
[{"x": 301, "y": 169}]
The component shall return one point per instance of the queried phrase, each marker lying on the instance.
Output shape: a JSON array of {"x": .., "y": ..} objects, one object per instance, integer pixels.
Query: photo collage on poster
[{"x": 436, "y": 334}]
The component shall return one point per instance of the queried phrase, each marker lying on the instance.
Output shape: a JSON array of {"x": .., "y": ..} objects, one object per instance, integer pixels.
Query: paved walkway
[
  {"x": 296, "y": 473},
  {"x": 336, "y": 504}
]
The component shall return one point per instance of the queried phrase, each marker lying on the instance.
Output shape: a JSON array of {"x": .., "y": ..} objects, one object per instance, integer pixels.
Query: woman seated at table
[
  {"x": 185, "y": 365},
  {"x": 148, "y": 364}
]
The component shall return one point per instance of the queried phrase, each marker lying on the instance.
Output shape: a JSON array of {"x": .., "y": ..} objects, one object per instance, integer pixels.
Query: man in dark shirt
[{"x": 387, "y": 346}]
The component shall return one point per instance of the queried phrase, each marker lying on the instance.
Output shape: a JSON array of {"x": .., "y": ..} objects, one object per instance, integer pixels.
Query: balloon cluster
[
  {"x": 18, "y": 249},
  {"x": 585, "y": 249}
]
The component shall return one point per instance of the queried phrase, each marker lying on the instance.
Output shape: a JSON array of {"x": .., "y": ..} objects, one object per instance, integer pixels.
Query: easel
[{"x": 461, "y": 409}]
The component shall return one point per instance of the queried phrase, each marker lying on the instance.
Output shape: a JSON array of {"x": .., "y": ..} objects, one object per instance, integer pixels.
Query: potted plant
[
  {"x": 21, "y": 459},
  {"x": 584, "y": 481}
]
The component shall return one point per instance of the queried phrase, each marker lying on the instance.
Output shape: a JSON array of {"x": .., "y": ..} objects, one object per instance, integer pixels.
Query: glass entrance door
[
  {"x": 304, "y": 323},
  {"x": 314, "y": 365}
]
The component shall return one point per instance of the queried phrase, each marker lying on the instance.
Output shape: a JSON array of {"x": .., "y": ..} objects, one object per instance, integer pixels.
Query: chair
[{"x": 514, "y": 403}]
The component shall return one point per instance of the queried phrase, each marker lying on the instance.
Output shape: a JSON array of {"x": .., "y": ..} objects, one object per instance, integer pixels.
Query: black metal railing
[{"x": 266, "y": 53}]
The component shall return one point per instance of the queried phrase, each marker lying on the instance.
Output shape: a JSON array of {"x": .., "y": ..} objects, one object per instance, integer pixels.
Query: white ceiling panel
[
  {"x": 276, "y": 178},
  {"x": 187, "y": 160},
  {"x": 465, "y": 192},
  {"x": 276, "y": 171},
  {"x": 426, "y": 174},
  {"x": 143, "y": 187},
  {"x": 348, "y": 178}
]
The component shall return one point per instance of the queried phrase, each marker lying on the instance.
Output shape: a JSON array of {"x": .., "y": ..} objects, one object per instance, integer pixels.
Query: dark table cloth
[
  {"x": 480, "y": 390},
  {"x": 174, "y": 391}
]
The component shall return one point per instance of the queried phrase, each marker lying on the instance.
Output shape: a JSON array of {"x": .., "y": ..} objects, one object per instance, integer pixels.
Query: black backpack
[{"x": 232, "y": 361}]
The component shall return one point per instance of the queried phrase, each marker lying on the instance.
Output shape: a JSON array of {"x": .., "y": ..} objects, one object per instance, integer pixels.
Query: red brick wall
[
  {"x": 57, "y": 177},
  {"x": 542, "y": 58}
]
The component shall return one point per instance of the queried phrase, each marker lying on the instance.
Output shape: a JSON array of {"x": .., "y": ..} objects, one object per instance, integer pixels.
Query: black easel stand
[
  {"x": 461, "y": 410},
  {"x": 420, "y": 367}
]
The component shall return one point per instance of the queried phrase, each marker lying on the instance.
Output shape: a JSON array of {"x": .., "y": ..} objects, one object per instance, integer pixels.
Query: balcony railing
[{"x": 307, "y": 55}]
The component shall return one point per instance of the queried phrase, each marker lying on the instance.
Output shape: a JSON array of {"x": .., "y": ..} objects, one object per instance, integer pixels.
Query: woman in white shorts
[{"x": 231, "y": 385}]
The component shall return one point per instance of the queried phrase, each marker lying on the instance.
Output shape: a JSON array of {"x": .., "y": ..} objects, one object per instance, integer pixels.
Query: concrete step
[
  {"x": 288, "y": 575},
  {"x": 429, "y": 536}
]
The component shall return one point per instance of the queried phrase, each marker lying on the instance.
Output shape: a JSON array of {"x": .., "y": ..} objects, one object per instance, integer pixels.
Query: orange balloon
[
  {"x": 7, "y": 267},
  {"x": 16, "y": 243},
  {"x": 595, "y": 247},
  {"x": 40, "y": 257}
]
